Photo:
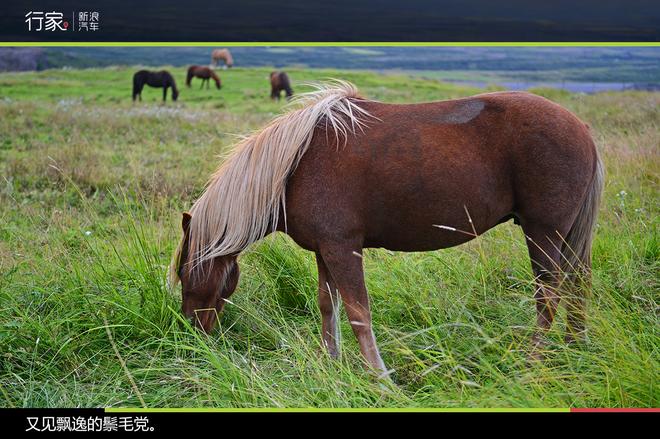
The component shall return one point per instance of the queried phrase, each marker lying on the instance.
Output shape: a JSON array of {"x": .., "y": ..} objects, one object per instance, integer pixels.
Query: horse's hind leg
[
  {"x": 329, "y": 306},
  {"x": 578, "y": 281},
  {"x": 544, "y": 246},
  {"x": 344, "y": 262},
  {"x": 575, "y": 303}
]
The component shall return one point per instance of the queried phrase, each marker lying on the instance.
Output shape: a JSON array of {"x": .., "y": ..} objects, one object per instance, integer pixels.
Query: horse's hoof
[
  {"x": 535, "y": 356},
  {"x": 387, "y": 387},
  {"x": 332, "y": 353},
  {"x": 385, "y": 376},
  {"x": 576, "y": 338},
  {"x": 536, "y": 353}
]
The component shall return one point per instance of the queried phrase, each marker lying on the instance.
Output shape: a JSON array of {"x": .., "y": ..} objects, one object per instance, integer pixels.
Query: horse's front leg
[
  {"x": 329, "y": 306},
  {"x": 164, "y": 94},
  {"x": 344, "y": 263}
]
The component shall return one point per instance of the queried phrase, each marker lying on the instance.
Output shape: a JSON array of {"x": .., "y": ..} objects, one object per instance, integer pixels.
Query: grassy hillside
[{"x": 92, "y": 187}]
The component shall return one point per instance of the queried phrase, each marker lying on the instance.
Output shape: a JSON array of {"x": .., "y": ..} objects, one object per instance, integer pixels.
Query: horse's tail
[
  {"x": 242, "y": 201},
  {"x": 189, "y": 76},
  {"x": 576, "y": 252},
  {"x": 576, "y": 249}
]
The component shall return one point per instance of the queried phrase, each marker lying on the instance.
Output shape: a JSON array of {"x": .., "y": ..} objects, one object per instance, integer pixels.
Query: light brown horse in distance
[
  {"x": 205, "y": 73},
  {"x": 223, "y": 55},
  {"x": 279, "y": 81},
  {"x": 343, "y": 173}
]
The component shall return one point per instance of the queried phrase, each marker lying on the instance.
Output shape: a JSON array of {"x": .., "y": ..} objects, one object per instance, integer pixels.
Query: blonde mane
[{"x": 243, "y": 197}]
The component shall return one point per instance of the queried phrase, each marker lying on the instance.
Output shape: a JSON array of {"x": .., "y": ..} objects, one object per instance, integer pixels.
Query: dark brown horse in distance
[
  {"x": 343, "y": 173},
  {"x": 162, "y": 79},
  {"x": 280, "y": 81},
  {"x": 205, "y": 73}
]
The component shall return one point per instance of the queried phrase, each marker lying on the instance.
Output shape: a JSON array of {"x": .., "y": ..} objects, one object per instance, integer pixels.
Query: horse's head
[
  {"x": 218, "y": 83},
  {"x": 204, "y": 285},
  {"x": 175, "y": 93}
]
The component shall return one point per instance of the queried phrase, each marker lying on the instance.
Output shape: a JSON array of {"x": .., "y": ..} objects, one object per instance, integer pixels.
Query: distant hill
[
  {"x": 586, "y": 64},
  {"x": 20, "y": 59}
]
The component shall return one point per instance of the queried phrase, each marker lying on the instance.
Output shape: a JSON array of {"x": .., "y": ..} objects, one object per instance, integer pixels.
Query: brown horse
[
  {"x": 357, "y": 173},
  {"x": 280, "y": 81},
  {"x": 162, "y": 79},
  {"x": 224, "y": 55},
  {"x": 205, "y": 73}
]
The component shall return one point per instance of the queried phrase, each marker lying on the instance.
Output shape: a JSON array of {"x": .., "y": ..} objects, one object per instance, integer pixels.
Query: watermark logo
[
  {"x": 88, "y": 21},
  {"x": 49, "y": 21},
  {"x": 54, "y": 21}
]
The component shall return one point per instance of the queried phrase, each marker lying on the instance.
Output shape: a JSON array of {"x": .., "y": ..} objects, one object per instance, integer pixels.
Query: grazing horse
[
  {"x": 342, "y": 173},
  {"x": 162, "y": 79},
  {"x": 205, "y": 73},
  {"x": 224, "y": 55},
  {"x": 280, "y": 81}
]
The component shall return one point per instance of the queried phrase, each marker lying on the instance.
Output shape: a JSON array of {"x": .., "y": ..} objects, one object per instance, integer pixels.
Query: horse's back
[
  {"x": 140, "y": 75},
  {"x": 279, "y": 78},
  {"x": 160, "y": 78},
  {"x": 482, "y": 158},
  {"x": 199, "y": 70},
  {"x": 165, "y": 75},
  {"x": 552, "y": 154}
]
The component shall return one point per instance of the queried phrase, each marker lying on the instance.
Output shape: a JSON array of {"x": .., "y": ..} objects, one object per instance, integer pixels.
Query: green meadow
[{"x": 92, "y": 188}]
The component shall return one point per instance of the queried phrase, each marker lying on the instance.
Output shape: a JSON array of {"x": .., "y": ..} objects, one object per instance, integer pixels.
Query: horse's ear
[{"x": 185, "y": 221}]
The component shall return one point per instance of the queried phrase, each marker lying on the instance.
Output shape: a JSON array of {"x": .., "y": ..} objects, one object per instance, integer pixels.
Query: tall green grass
[{"x": 91, "y": 191}]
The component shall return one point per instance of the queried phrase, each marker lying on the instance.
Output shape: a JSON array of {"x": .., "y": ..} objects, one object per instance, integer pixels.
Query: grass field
[
  {"x": 91, "y": 192},
  {"x": 491, "y": 64}
]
